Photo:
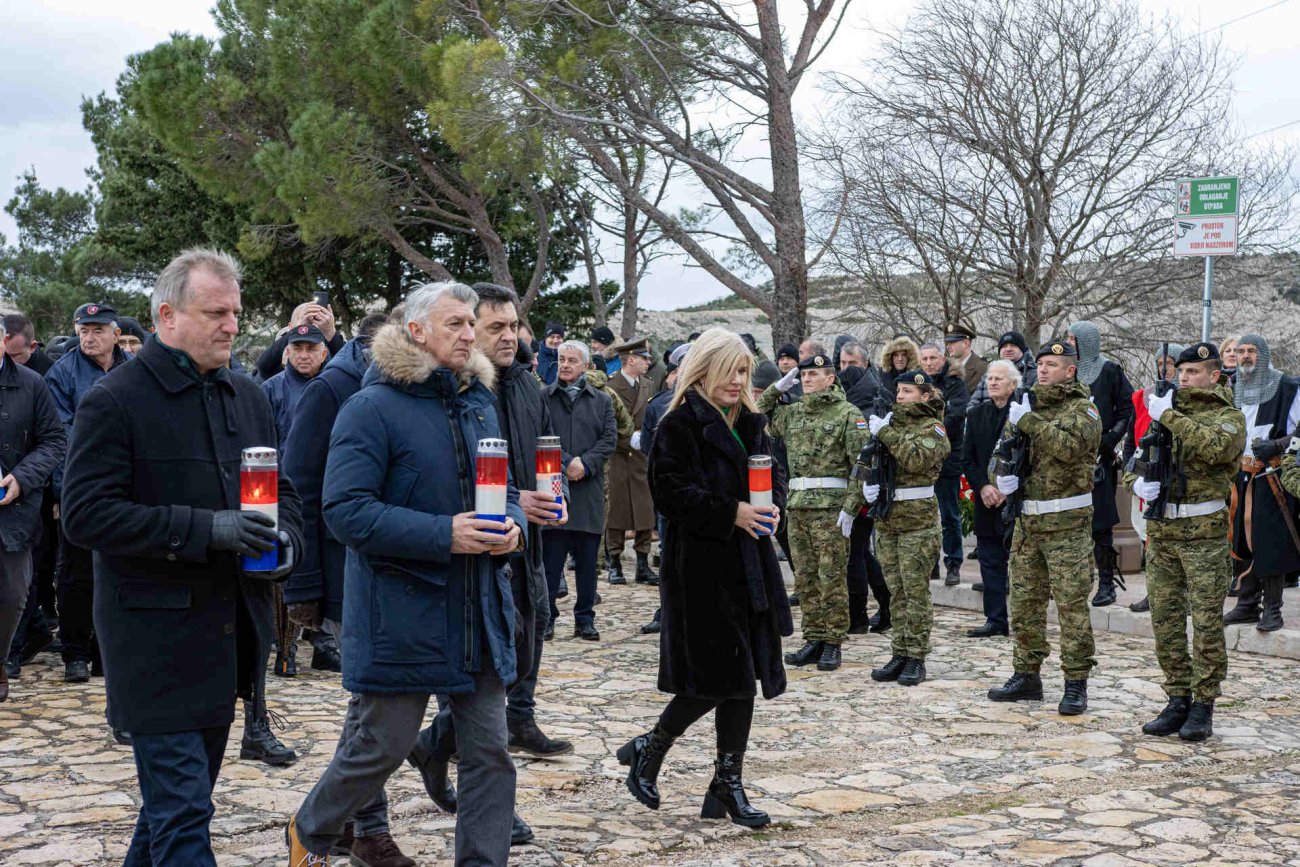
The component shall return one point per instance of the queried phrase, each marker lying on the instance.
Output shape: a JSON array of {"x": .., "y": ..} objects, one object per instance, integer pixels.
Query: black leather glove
[
  {"x": 288, "y": 560},
  {"x": 1266, "y": 450},
  {"x": 248, "y": 533}
]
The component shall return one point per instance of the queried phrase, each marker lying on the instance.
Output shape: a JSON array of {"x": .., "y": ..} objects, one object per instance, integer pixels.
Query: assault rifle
[
  {"x": 876, "y": 465},
  {"x": 1154, "y": 458},
  {"x": 1011, "y": 458}
]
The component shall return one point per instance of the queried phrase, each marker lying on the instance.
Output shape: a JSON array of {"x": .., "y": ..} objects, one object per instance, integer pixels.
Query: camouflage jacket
[
  {"x": 1209, "y": 439},
  {"x": 823, "y": 434},
  {"x": 622, "y": 418},
  {"x": 1064, "y": 433},
  {"x": 915, "y": 437}
]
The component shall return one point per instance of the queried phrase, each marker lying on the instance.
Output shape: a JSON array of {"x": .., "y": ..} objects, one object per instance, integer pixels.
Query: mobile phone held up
[{"x": 321, "y": 298}]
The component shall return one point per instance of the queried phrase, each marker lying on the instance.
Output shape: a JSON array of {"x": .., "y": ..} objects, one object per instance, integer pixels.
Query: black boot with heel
[{"x": 726, "y": 795}]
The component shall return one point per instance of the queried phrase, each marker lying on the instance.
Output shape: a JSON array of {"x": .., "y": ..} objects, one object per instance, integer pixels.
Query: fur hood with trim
[
  {"x": 900, "y": 344},
  {"x": 399, "y": 359}
]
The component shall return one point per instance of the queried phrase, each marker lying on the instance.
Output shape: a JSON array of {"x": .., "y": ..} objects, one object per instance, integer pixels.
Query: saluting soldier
[
  {"x": 1187, "y": 546},
  {"x": 1051, "y": 553},
  {"x": 823, "y": 434},
  {"x": 908, "y": 537}
]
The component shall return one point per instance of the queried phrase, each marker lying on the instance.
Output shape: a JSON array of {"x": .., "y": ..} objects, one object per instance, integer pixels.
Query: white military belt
[
  {"x": 815, "y": 483},
  {"x": 1193, "y": 510},
  {"x": 1051, "y": 507},
  {"x": 920, "y": 493}
]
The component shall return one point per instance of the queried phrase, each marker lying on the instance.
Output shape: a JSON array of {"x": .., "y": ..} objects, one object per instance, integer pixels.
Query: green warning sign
[{"x": 1207, "y": 197}]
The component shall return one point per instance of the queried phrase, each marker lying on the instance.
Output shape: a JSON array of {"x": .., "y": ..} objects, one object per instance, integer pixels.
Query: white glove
[
  {"x": 787, "y": 382},
  {"x": 876, "y": 423},
  {"x": 1145, "y": 490},
  {"x": 636, "y": 440},
  {"x": 845, "y": 523},
  {"x": 1008, "y": 485},
  {"x": 1017, "y": 411},
  {"x": 1158, "y": 405},
  {"x": 871, "y": 492}
]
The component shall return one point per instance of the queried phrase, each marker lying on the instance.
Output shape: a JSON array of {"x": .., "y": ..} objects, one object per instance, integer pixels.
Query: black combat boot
[
  {"x": 433, "y": 772},
  {"x": 643, "y": 756},
  {"x": 614, "y": 563},
  {"x": 1105, "y": 557},
  {"x": 859, "y": 620},
  {"x": 1075, "y": 700},
  {"x": 726, "y": 796},
  {"x": 809, "y": 653},
  {"x": 913, "y": 672},
  {"x": 1022, "y": 686},
  {"x": 325, "y": 652},
  {"x": 1171, "y": 719},
  {"x": 1271, "y": 619},
  {"x": 259, "y": 741},
  {"x": 655, "y": 623},
  {"x": 644, "y": 574},
  {"x": 526, "y": 737},
  {"x": 890, "y": 670},
  {"x": 830, "y": 658},
  {"x": 1200, "y": 722},
  {"x": 1247, "y": 607}
]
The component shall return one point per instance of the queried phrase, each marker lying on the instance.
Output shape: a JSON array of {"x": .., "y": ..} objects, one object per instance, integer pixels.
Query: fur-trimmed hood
[
  {"x": 900, "y": 344},
  {"x": 399, "y": 360}
]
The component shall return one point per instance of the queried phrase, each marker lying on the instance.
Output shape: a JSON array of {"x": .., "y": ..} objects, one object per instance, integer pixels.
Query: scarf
[
  {"x": 572, "y": 389},
  {"x": 1087, "y": 339},
  {"x": 1260, "y": 384}
]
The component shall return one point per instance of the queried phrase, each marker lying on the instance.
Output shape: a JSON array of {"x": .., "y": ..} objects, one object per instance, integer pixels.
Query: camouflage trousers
[
  {"x": 1187, "y": 568},
  {"x": 1051, "y": 557},
  {"x": 820, "y": 556},
  {"x": 907, "y": 559}
]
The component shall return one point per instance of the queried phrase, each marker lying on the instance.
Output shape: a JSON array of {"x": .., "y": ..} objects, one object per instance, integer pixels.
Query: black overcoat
[
  {"x": 723, "y": 598},
  {"x": 586, "y": 428},
  {"x": 984, "y": 424},
  {"x": 1112, "y": 395},
  {"x": 154, "y": 452}
]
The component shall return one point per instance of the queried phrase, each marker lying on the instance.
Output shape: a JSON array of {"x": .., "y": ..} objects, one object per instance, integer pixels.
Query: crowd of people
[{"x": 131, "y": 548}]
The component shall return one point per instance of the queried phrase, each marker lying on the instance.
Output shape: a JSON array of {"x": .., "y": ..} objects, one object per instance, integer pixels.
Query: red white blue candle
[
  {"x": 550, "y": 478},
  {"x": 760, "y": 488},
  {"x": 259, "y": 491},
  {"x": 490, "y": 479}
]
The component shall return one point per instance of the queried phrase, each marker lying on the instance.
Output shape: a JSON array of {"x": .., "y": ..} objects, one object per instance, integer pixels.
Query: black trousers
[
  {"x": 76, "y": 602},
  {"x": 732, "y": 721},
  {"x": 994, "y": 552},
  {"x": 45, "y": 558},
  {"x": 864, "y": 569}
]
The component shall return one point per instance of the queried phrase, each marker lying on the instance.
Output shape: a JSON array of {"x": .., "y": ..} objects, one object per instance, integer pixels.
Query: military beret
[
  {"x": 94, "y": 314},
  {"x": 913, "y": 377},
  {"x": 636, "y": 346},
  {"x": 1198, "y": 352},
  {"x": 1057, "y": 346},
  {"x": 817, "y": 362},
  {"x": 306, "y": 334},
  {"x": 958, "y": 334}
]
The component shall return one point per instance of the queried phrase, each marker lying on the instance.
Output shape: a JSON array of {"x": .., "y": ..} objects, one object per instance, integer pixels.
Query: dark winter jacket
[
  {"x": 154, "y": 453},
  {"x": 654, "y": 413},
  {"x": 587, "y": 431},
  {"x": 724, "y": 605},
  {"x": 271, "y": 361},
  {"x": 69, "y": 380},
  {"x": 864, "y": 393},
  {"x": 284, "y": 390},
  {"x": 1112, "y": 395},
  {"x": 319, "y": 576},
  {"x": 32, "y": 443},
  {"x": 984, "y": 424},
  {"x": 39, "y": 361},
  {"x": 548, "y": 363},
  {"x": 416, "y": 617},
  {"x": 955, "y": 398}
]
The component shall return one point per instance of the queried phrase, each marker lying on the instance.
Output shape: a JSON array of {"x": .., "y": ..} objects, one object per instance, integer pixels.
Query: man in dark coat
[
  {"x": 427, "y": 605},
  {"x": 947, "y": 488},
  {"x": 583, "y": 418},
  {"x": 95, "y": 354},
  {"x": 33, "y": 442},
  {"x": 271, "y": 361},
  {"x": 153, "y": 487},
  {"x": 547, "y": 361},
  {"x": 1112, "y": 395},
  {"x": 307, "y": 352},
  {"x": 1012, "y": 347},
  {"x": 630, "y": 505}
]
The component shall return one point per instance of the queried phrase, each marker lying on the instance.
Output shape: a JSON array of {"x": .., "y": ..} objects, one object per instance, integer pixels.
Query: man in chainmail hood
[
  {"x": 1265, "y": 544},
  {"x": 1112, "y": 394}
]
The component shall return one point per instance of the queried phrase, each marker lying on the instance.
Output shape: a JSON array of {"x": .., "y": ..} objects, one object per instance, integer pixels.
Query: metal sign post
[
  {"x": 1205, "y": 224},
  {"x": 1207, "y": 300}
]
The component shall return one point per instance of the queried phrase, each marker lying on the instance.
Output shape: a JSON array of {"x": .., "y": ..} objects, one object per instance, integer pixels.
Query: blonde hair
[{"x": 712, "y": 359}]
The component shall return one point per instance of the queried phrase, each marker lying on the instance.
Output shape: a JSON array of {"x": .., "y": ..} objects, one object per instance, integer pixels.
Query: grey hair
[
  {"x": 854, "y": 347},
  {"x": 930, "y": 344},
  {"x": 1012, "y": 372},
  {"x": 173, "y": 284},
  {"x": 425, "y": 296},
  {"x": 578, "y": 346},
  {"x": 816, "y": 347}
]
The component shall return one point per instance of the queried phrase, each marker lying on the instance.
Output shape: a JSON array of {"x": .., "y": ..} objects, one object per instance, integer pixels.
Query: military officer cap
[
  {"x": 914, "y": 377},
  {"x": 1057, "y": 346},
  {"x": 817, "y": 362},
  {"x": 307, "y": 333},
  {"x": 957, "y": 334},
  {"x": 1198, "y": 352},
  {"x": 94, "y": 314},
  {"x": 636, "y": 346}
]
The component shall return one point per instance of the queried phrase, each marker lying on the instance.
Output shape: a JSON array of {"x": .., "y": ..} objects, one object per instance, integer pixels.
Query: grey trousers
[
  {"x": 15, "y": 578},
  {"x": 385, "y": 728}
]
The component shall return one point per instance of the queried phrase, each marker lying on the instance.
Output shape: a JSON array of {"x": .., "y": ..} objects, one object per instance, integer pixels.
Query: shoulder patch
[
  {"x": 1228, "y": 427},
  {"x": 1092, "y": 412},
  {"x": 939, "y": 429},
  {"x": 929, "y": 442},
  {"x": 860, "y": 423}
]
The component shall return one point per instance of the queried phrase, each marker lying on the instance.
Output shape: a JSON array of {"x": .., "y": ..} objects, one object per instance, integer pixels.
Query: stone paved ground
[{"x": 851, "y": 771}]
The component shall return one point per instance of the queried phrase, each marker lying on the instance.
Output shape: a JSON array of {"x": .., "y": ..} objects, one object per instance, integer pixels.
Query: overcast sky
[{"x": 55, "y": 52}]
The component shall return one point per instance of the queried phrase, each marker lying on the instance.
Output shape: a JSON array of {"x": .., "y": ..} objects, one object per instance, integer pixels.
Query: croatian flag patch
[
  {"x": 940, "y": 431},
  {"x": 861, "y": 423},
  {"x": 1092, "y": 411}
]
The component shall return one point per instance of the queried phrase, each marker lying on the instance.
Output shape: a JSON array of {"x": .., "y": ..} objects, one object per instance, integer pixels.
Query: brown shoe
[
  {"x": 299, "y": 855},
  {"x": 379, "y": 851}
]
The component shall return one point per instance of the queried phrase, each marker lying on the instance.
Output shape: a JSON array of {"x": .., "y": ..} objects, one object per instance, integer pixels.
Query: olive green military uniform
[
  {"x": 823, "y": 434},
  {"x": 908, "y": 539},
  {"x": 622, "y": 418},
  {"x": 1051, "y": 552},
  {"x": 1187, "y": 557}
]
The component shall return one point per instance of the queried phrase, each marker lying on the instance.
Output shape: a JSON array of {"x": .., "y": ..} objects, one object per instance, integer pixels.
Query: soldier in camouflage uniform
[
  {"x": 908, "y": 537},
  {"x": 823, "y": 434},
  {"x": 1187, "y": 547},
  {"x": 1051, "y": 553}
]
